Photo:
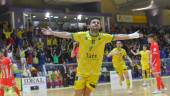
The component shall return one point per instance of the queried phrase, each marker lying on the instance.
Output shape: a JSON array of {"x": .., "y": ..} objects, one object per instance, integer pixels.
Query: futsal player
[
  {"x": 145, "y": 54},
  {"x": 155, "y": 62},
  {"x": 91, "y": 51},
  {"x": 7, "y": 79},
  {"x": 118, "y": 60}
]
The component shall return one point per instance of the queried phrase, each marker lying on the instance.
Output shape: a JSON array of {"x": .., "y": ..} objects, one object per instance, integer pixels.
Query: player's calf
[{"x": 2, "y": 91}]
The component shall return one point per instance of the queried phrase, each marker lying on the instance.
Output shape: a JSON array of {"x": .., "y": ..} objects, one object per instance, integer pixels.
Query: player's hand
[
  {"x": 140, "y": 35},
  {"x": 46, "y": 31},
  {"x": 134, "y": 35}
]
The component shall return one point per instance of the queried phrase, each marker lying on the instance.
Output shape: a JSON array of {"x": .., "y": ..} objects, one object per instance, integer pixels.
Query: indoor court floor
[{"x": 105, "y": 90}]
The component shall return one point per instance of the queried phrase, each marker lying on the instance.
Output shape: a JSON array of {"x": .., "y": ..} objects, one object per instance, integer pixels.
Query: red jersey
[
  {"x": 5, "y": 68},
  {"x": 155, "y": 53}
]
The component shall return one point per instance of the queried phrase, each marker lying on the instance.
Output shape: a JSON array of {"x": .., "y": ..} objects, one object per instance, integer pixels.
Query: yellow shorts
[
  {"x": 120, "y": 69},
  {"x": 82, "y": 82},
  {"x": 145, "y": 67}
]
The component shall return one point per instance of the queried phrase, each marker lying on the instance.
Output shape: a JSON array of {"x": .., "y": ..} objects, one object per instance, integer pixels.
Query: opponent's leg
[
  {"x": 2, "y": 91},
  {"x": 16, "y": 89}
]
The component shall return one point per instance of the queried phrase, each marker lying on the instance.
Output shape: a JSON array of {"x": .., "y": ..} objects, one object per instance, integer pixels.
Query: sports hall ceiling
[
  {"x": 132, "y": 4},
  {"x": 70, "y": 1}
]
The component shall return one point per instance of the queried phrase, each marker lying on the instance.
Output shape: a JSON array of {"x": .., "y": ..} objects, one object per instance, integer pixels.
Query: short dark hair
[
  {"x": 145, "y": 45},
  {"x": 89, "y": 21},
  {"x": 152, "y": 36}
]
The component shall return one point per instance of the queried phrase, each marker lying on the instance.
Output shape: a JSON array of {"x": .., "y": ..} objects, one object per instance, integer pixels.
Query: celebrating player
[
  {"x": 7, "y": 77},
  {"x": 91, "y": 51},
  {"x": 145, "y": 54},
  {"x": 156, "y": 63},
  {"x": 118, "y": 59}
]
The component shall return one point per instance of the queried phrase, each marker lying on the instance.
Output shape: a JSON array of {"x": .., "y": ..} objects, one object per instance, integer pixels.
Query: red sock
[
  {"x": 1, "y": 92},
  {"x": 17, "y": 91},
  {"x": 160, "y": 83}
]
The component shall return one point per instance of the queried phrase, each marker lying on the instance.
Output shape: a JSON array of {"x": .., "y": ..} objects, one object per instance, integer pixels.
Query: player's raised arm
[
  {"x": 111, "y": 53},
  {"x": 57, "y": 34},
  {"x": 128, "y": 36}
]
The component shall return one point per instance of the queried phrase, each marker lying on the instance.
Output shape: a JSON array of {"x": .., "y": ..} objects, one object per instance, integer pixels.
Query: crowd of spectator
[{"x": 33, "y": 51}]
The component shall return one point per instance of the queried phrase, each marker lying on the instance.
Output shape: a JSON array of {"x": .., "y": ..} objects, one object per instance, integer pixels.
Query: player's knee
[
  {"x": 91, "y": 86},
  {"x": 87, "y": 92}
]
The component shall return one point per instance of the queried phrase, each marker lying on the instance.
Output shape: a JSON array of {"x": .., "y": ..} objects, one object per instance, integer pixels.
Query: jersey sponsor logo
[
  {"x": 91, "y": 55},
  {"x": 154, "y": 49}
]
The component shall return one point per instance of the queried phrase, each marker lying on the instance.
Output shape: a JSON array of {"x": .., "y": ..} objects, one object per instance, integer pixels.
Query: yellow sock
[
  {"x": 128, "y": 83},
  {"x": 120, "y": 82}
]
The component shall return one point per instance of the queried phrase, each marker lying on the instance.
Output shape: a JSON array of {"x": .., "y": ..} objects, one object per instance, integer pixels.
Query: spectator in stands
[
  {"x": 49, "y": 41},
  {"x": 20, "y": 37},
  {"x": 65, "y": 74},
  {"x": 59, "y": 78},
  {"x": 8, "y": 36},
  {"x": 30, "y": 57},
  {"x": 53, "y": 78},
  {"x": 35, "y": 61},
  {"x": 23, "y": 57},
  {"x": 72, "y": 74},
  {"x": 49, "y": 82},
  {"x": 55, "y": 57},
  {"x": 34, "y": 72},
  {"x": 10, "y": 53},
  {"x": 42, "y": 62},
  {"x": 163, "y": 53},
  {"x": 54, "y": 41},
  {"x": 48, "y": 53},
  {"x": 40, "y": 44}
]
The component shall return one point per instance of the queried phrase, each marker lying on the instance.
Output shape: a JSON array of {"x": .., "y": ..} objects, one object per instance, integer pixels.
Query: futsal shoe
[
  {"x": 129, "y": 91},
  {"x": 144, "y": 84},
  {"x": 157, "y": 92},
  {"x": 164, "y": 89}
]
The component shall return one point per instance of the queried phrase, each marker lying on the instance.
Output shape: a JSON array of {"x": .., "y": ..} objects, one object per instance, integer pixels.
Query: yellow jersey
[
  {"x": 49, "y": 41},
  {"x": 144, "y": 58},
  {"x": 7, "y": 34},
  {"x": 19, "y": 34},
  {"x": 40, "y": 45},
  {"x": 118, "y": 55},
  {"x": 91, "y": 51},
  {"x": 54, "y": 41}
]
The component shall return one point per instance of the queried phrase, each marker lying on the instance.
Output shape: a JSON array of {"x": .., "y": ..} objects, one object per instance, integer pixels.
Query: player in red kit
[
  {"x": 155, "y": 62},
  {"x": 7, "y": 77}
]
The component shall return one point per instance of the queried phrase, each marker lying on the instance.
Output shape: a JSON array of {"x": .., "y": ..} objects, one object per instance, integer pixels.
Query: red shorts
[
  {"x": 8, "y": 82},
  {"x": 156, "y": 69}
]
